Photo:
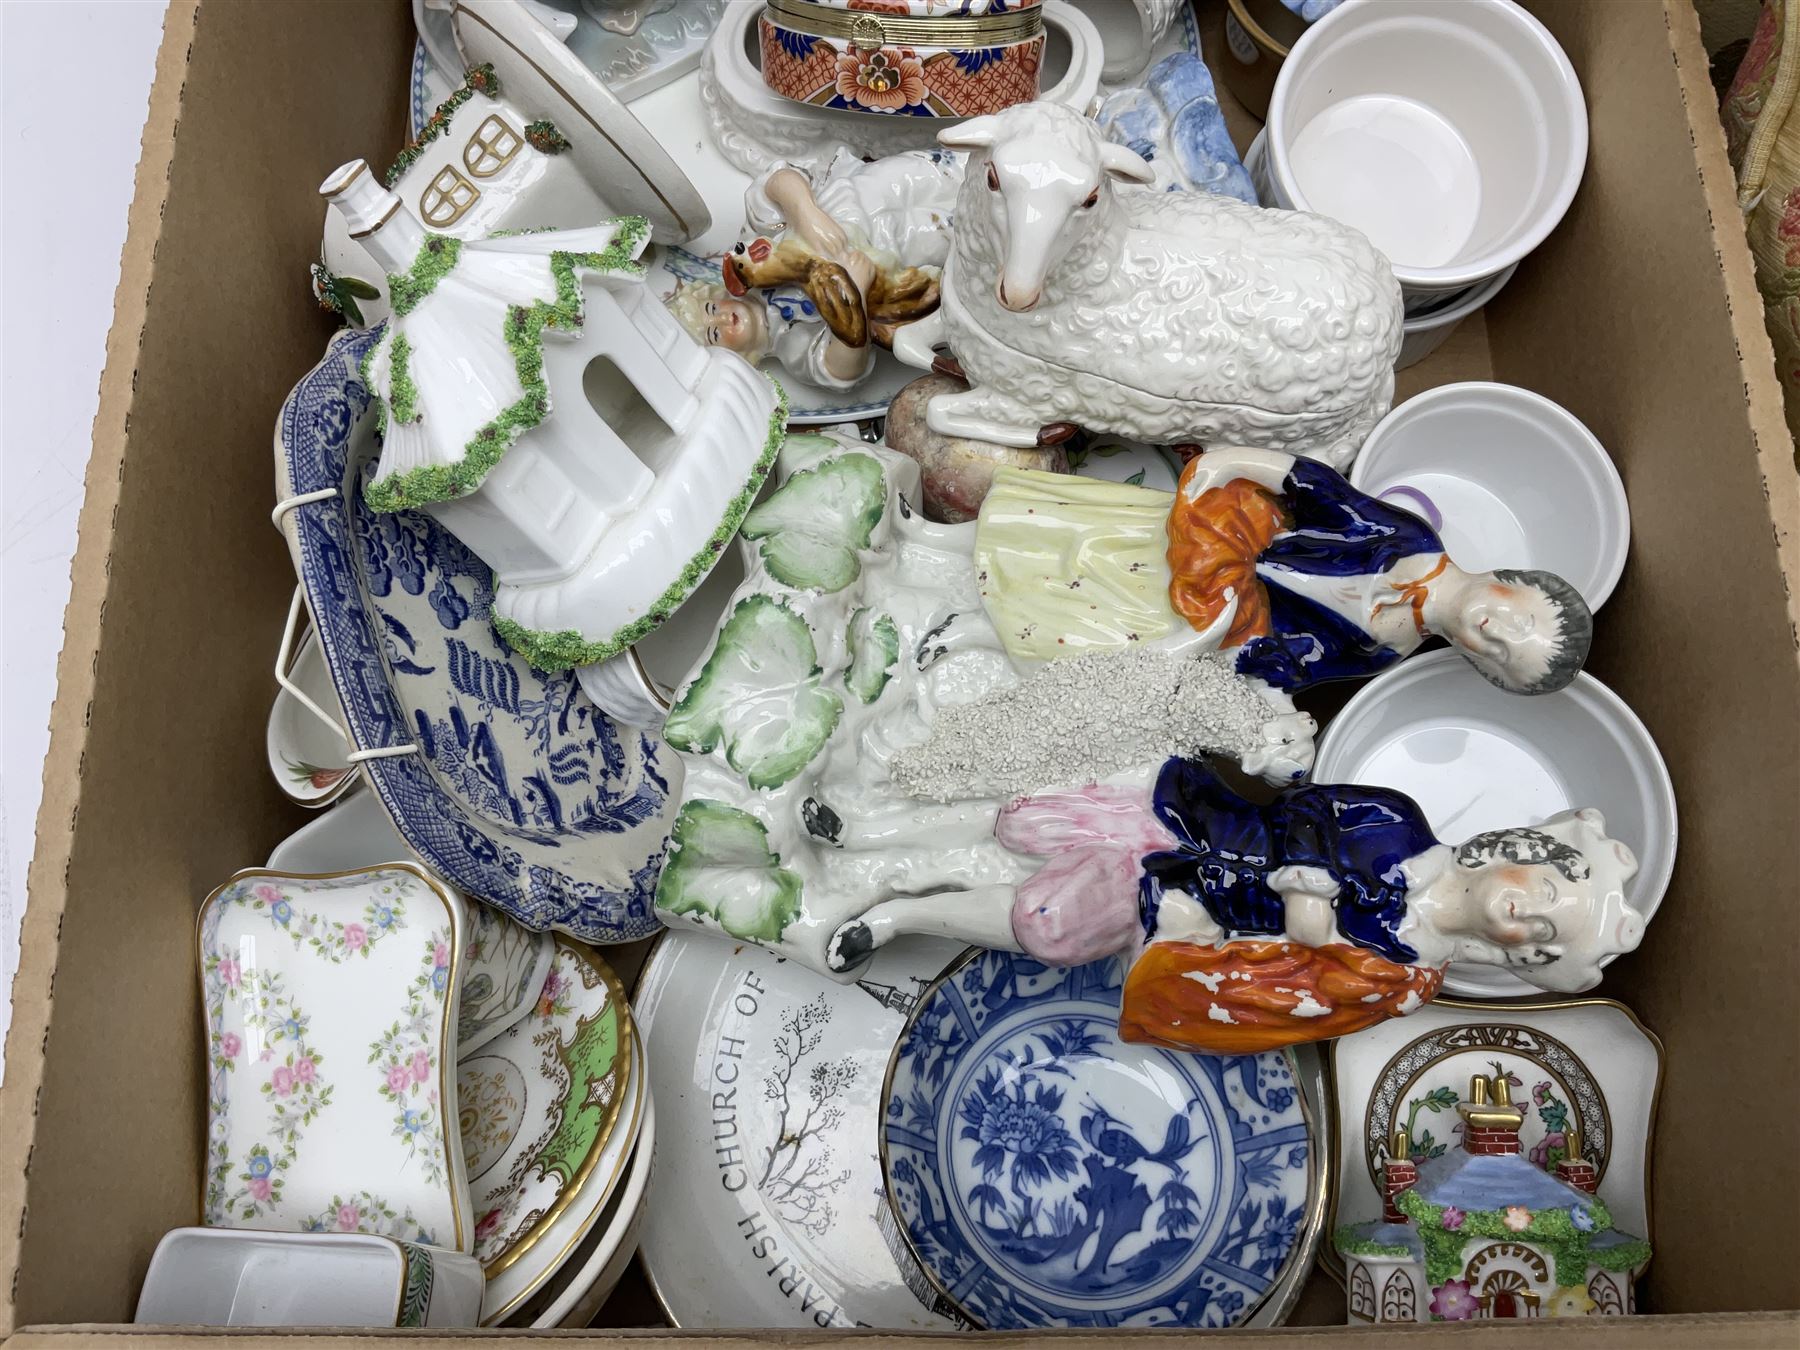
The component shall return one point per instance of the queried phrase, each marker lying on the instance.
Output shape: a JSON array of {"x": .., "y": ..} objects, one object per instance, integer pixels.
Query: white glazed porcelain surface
[
  {"x": 508, "y": 1289},
  {"x": 1477, "y": 758},
  {"x": 1519, "y": 481},
  {"x": 1584, "y": 1064},
  {"x": 1430, "y": 325},
  {"x": 768, "y": 1208},
  {"x": 761, "y": 1216},
  {"x": 1456, "y": 145},
  {"x": 354, "y": 833},
  {"x": 330, "y": 1007},
  {"x": 574, "y": 1294},
  {"x": 218, "y": 1277},
  {"x": 1129, "y": 31},
  {"x": 309, "y": 758},
  {"x": 539, "y": 1102}
]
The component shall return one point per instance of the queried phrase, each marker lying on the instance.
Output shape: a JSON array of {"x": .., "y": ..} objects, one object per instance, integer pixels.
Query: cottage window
[
  {"x": 623, "y": 408},
  {"x": 492, "y": 147},
  {"x": 446, "y": 198}
]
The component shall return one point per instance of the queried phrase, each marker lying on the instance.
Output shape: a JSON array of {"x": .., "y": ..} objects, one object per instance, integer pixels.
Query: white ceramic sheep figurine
[{"x": 1168, "y": 317}]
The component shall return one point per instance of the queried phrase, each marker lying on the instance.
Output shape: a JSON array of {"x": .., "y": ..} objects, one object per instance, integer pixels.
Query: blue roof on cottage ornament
[{"x": 1473, "y": 1181}]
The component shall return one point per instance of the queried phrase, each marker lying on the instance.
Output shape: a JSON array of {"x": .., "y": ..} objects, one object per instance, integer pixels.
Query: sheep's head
[{"x": 1048, "y": 173}]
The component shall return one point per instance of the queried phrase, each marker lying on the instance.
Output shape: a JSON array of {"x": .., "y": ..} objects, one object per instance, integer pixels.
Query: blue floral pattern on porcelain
[
  {"x": 521, "y": 792},
  {"x": 1047, "y": 1174}
]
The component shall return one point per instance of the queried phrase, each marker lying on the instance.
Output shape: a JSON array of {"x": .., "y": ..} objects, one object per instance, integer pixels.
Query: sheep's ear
[
  {"x": 978, "y": 133},
  {"x": 1125, "y": 164}
]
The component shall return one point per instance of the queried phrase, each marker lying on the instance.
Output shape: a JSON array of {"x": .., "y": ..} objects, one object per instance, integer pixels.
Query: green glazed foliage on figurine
[
  {"x": 813, "y": 528},
  {"x": 1567, "y": 1234},
  {"x": 720, "y": 866},
  {"x": 874, "y": 650},
  {"x": 760, "y": 694}
]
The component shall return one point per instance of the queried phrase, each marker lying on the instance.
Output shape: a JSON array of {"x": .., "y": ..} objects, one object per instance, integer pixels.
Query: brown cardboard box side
[{"x": 1639, "y": 315}]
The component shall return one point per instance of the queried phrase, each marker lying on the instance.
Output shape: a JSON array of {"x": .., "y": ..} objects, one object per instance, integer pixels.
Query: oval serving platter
[{"x": 505, "y": 780}]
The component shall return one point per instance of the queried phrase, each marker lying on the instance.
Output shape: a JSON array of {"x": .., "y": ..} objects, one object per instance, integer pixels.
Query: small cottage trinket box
[{"x": 1483, "y": 1232}]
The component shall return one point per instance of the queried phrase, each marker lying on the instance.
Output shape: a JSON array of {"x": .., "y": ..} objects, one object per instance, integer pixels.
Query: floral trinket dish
[
  {"x": 331, "y": 1006},
  {"x": 1047, "y": 1174}
]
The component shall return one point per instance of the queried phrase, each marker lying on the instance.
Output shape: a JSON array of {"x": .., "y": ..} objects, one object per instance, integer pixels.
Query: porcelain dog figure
[{"x": 1168, "y": 317}]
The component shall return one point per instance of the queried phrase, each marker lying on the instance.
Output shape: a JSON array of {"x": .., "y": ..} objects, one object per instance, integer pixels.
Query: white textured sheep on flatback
[{"x": 1169, "y": 317}]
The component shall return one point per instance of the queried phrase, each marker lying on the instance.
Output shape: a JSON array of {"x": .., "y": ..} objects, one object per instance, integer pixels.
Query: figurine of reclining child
[{"x": 858, "y": 255}]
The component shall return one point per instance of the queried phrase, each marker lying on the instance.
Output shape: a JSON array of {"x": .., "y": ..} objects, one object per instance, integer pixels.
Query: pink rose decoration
[
  {"x": 354, "y": 936},
  {"x": 1453, "y": 1218},
  {"x": 398, "y": 1079},
  {"x": 421, "y": 1066},
  {"x": 1540, "y": 1151},
  {"x": 282, "y": 1081},
  {"x": 229, "y": 1045},
  {"x": 266, "y": 893},
  {"x": 229, "y": 972},
  {"x": 1083, "y": 903},
  {"x": 1453, "y": 1302},
  {"x": 1517, "y": 1218},
  {"x": 348, "y": 1217},
  {"x": 260, "y": 1188},
  {"x": 440, "y": 955},
  {"x": 305, "y": 1071},
  {"x": 487, "y": 1223}
]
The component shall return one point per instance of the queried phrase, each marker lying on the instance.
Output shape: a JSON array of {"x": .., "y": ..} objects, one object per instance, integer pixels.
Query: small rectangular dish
[
  {"x": 220, "y": 1277},
  {"x": 330, "y": 1005}
]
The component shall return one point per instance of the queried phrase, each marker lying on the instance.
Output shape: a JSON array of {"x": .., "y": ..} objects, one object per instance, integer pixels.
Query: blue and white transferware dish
[
  {"x": 508, "y": 782},
  {"x": 1047, "y": 1174}
]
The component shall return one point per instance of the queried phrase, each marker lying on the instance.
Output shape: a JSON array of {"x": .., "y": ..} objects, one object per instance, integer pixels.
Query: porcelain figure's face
[
  {"x": 736, "y": 325},
  {"x": 1510, "y": 630},
  {"x": 1547, "y": 926}
]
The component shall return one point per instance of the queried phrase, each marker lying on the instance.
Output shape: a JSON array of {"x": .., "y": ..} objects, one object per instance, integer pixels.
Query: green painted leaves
[
  {"x": 813, "y": 528},
  {"x": 760, "y": 693},
  {"x": 874, "y": 650},
  {"x": 720, "y": 866}
]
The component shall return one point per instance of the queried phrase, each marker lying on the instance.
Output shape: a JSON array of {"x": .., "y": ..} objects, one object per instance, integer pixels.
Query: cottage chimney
[
  {"x": 1490, "y": 1120},
  {"x": 376, "y": 218},
  {"x": 1399, "y": 1173},
  {"x": 1576, "y": 1170}
]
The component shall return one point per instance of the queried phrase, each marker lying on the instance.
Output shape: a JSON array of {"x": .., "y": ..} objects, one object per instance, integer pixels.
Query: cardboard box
[{"x": 1640, "y": 314}]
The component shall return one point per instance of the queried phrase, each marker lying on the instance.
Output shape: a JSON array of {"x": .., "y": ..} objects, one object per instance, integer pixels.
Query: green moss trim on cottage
[
  {"x": 568, "y": 647},
  {"x": 1350, "y": 1240},
  {"x": 1571, "y": 1247},
  {"x": 543, "y": 137},
  {"x": 480, "y": 80},
  {"x": 524, "y": 335}
]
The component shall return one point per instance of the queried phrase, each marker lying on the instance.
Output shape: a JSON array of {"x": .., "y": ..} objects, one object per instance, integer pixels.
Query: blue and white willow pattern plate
[
  {"x": 1047, "y": 1174},
  {"x": 521, "y": 793}
]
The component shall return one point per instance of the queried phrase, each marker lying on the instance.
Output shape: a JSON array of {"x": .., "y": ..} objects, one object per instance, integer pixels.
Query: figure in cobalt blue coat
[{"x": 1330, "y": 583}]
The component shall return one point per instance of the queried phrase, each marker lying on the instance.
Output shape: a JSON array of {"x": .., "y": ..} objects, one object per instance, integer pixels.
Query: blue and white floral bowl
[
  {"x": 508, "y": 782},
  {"x": 1047, "y": 1174}
]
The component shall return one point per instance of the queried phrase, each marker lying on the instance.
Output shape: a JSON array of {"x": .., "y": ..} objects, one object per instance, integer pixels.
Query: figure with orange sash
[{"x": 1309, "y": 579}]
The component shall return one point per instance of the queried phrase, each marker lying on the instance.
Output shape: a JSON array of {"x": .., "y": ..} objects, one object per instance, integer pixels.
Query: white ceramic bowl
[
  {"x": 1429, "y": 327},
  {"x": 1453, "y": 135},
  {"x": 227, "y": 1277},
  {"x": 1477, "y": 758},
  {"x": 1518, "y": 480}
]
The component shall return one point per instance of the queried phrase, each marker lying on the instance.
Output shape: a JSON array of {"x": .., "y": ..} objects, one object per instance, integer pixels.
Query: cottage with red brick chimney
[{"x": 1482, "y": 1232}]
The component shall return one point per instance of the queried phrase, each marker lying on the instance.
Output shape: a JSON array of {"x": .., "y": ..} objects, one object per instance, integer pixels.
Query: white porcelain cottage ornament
[{"x": 546, "y": 409}]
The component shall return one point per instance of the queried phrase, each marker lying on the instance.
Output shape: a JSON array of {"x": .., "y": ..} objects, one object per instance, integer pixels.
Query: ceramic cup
[
  {"x": 309, "y": 754},
  {"x": 1477, "y": 758},
  {"x": 224, "y": 1277},
  {"x": 1516, "y": 480},
  {"x": 1259, "y": 34},
  {"x": 1454, "y": 137}
]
